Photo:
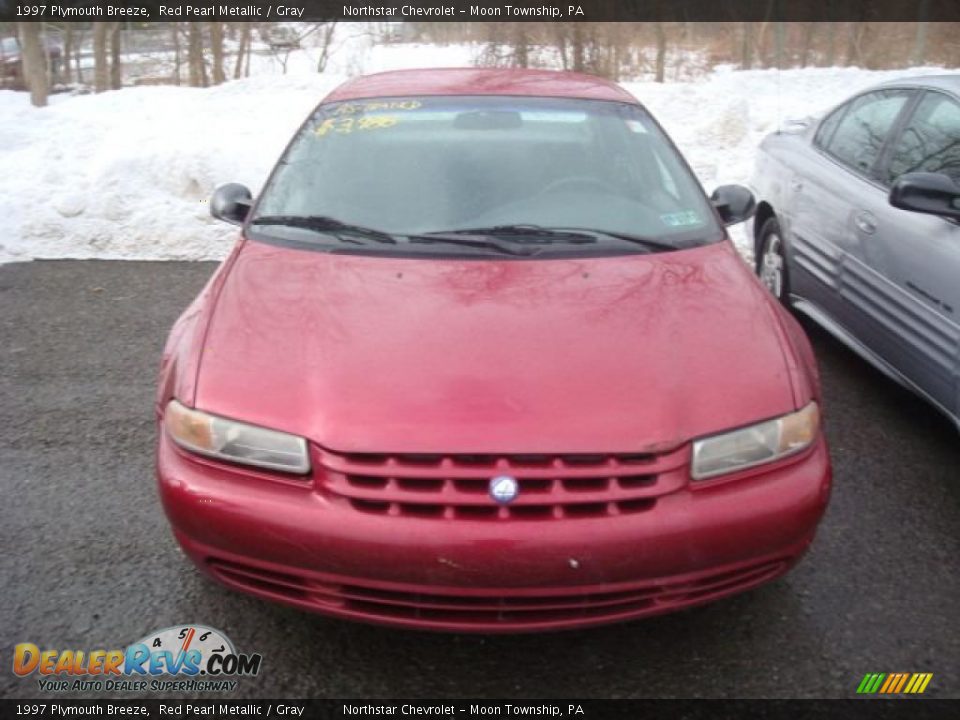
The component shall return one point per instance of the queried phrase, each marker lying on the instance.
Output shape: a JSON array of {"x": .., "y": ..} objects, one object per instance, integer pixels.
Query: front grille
[
  {"x": 490, "y": 609},
  {"x": 456, "y": 486}
]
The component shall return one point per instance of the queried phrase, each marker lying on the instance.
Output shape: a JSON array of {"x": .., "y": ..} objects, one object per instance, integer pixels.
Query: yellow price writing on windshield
[
  {"x": 346, "y": 125},
  {"x": 354, "y": 108}
]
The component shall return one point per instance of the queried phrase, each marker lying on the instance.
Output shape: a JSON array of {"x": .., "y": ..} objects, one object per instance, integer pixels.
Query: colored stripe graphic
[
  {"x": 891, "y": 682},
  {"x": 870, "y": 682},
  {"x": 922, "y": 684},
  {"x": 894, "y": 683}
]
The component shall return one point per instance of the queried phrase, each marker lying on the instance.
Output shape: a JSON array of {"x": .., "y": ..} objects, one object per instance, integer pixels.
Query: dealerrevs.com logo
[{"x": 185, "y": 658}]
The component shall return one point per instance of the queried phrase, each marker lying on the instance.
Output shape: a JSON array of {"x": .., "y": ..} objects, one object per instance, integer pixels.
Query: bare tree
[
  {"x": 283, "y": 41},
  {"x": 177, "y": 62},
  {"x": 67, "y": 51},
  {"x": 919, "y": 54},
  {"x": 830, "y": 58},
  {"x": 746, "y": 47},
  {"x": 34, "y": 62},
  {"x": 560, "y": 40},
  {"x": 101, "y": 71},
  {"x": 856, "y": 43},
  {"x": 661, "y": 51},
  {"x": 116, "y": 64},
  {"x": 326, "y": 38},
  {"x": 216, "y": 45},
  {"x": 196, "y": 66},
  {"x": 779, "y": 42},
  {"x": 521, "y": 45},
  {"x": 242, "y": 49},
  {"x": 577, "y": 47},
  {"x": 78, "y": 41},
  {"x": 808, "y": 30}
]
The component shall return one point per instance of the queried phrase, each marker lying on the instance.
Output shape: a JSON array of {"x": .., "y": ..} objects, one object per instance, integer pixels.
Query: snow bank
[{"x": 127, "y": 174}]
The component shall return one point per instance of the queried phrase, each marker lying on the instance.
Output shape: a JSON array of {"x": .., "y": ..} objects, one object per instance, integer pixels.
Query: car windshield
[{"x": 569, "y": 175}]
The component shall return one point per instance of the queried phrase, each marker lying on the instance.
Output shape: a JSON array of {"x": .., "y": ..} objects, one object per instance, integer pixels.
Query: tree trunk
[
  {"x": 246, "y": 68},
  {"x": 177, "y": 59},
  {"x": 808, "y": 30},
  {"x": 242, "y": 49},
  {"x": 577, "y": 47},
  {"x": 746, "y": 48},
  {"x": 560, "y": 39},
  {"x": 216, "y": 45},
  {"x": 116, "y": 63},
  {"x": 78, "y": 47},
  {"x": 661, "y": 51},
  {"x": 328, "y": 31},
  {"x": 520, "y": 45},
  {"x": 67, "y": 76},
  {"x": 831, "y": 56},
  {"x": 34, "y": 62},
  {"x": 198, "y": 71},
  {"x": 919, "y": 54},
  {"x": 853, "y": 56},
  {"x": 101, "y": 69},
  {"x": 779, "y": 43}
]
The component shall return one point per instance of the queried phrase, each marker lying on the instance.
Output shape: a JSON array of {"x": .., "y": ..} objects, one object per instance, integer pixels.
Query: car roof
[
  {"x": 948, "y": 82},
  {"x": 480, "y": 81}
]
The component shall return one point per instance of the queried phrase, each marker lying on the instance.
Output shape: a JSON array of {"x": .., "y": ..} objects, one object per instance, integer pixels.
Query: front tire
[{"x": 772, "y": 262}]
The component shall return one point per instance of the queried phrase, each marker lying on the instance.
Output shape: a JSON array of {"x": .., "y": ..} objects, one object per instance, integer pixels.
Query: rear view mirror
[
  {"x": 488, "y": 120},
  {"x": 734, "y": 203},
  {"x": 231, "y": 203},
  {"x": 931, "y": 193}
]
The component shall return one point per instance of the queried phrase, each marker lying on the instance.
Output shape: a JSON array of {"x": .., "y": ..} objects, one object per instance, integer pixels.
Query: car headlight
[
  {"x": 218, "y": 437},
  {"x": 755, "y": 445}
]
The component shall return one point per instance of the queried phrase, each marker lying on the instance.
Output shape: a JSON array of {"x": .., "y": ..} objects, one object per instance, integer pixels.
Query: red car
[{"x": 484, "y": 359}]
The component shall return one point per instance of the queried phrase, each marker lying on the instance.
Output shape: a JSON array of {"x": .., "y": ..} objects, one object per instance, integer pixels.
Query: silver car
[{"x": 858, "y": 227}]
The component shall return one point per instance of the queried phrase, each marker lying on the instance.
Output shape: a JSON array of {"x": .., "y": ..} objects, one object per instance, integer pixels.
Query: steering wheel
[{"x": 578, "y": 180}]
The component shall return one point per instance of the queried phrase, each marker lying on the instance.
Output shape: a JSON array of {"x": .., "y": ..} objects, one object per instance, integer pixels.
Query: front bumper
[{"x": 290, "y": 542}]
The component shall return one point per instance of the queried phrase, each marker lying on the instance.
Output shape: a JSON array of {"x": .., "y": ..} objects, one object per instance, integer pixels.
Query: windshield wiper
[
  {"x": 574, "y": 235},
  {"x": 515, "y": 232},
  {"x": 479, "y": 242},
  {"x": 626, "y": 237},
  {"x": 326, "y": 224}
]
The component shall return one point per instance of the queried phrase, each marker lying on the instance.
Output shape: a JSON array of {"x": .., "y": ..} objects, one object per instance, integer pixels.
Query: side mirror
[
  {"x": 231, "y": 203},
  {"x": 932, "y": 193},
  {"x": 734, "y": 203}
]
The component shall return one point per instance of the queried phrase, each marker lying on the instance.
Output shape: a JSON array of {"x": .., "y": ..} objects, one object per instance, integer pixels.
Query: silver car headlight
[
  {"x": 755, "y": 445},
  {"x": 238, "y": 442}
]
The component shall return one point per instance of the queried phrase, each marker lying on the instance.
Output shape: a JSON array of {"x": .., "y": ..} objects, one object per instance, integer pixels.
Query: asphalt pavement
[{"x": 88, "y": 561}]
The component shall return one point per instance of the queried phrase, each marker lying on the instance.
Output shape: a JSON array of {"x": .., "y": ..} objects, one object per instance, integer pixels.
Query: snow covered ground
[{"x": 127, "y": 174}]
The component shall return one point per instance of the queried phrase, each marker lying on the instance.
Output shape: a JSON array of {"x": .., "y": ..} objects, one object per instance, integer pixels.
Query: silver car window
[
  {"x": 930, "y": 142},
  {"x": 861, "y": 132}
]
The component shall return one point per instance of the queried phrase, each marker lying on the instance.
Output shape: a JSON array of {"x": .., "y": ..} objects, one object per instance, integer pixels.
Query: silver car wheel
[{"x": 771, "y": 265}]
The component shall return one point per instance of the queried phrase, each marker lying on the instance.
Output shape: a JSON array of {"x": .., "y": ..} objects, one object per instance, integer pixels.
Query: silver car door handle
[
  {"x": 796, "y": 185},
  {"x": 865, "y": 223}
]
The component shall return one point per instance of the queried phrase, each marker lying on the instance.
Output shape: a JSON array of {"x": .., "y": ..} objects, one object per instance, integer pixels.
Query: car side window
[
  {"x": 827, "y": 127},
  {"x": 862, "y": 130},
  {"x": 930, "y": 141}
]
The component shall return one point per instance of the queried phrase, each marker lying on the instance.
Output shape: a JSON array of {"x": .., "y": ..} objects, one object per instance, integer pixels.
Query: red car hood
[{"x": 376, "y": 354}]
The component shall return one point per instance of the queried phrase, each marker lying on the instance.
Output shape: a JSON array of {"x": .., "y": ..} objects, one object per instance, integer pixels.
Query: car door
[
  {"x": 907, "y": 272},
  {"x": 827, "y": 190}
]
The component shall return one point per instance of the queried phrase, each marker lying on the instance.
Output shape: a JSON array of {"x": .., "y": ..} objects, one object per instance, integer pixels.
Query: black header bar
[
  {"x": 483, "y": 10},
  {"x": 551, "y": 709}
]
